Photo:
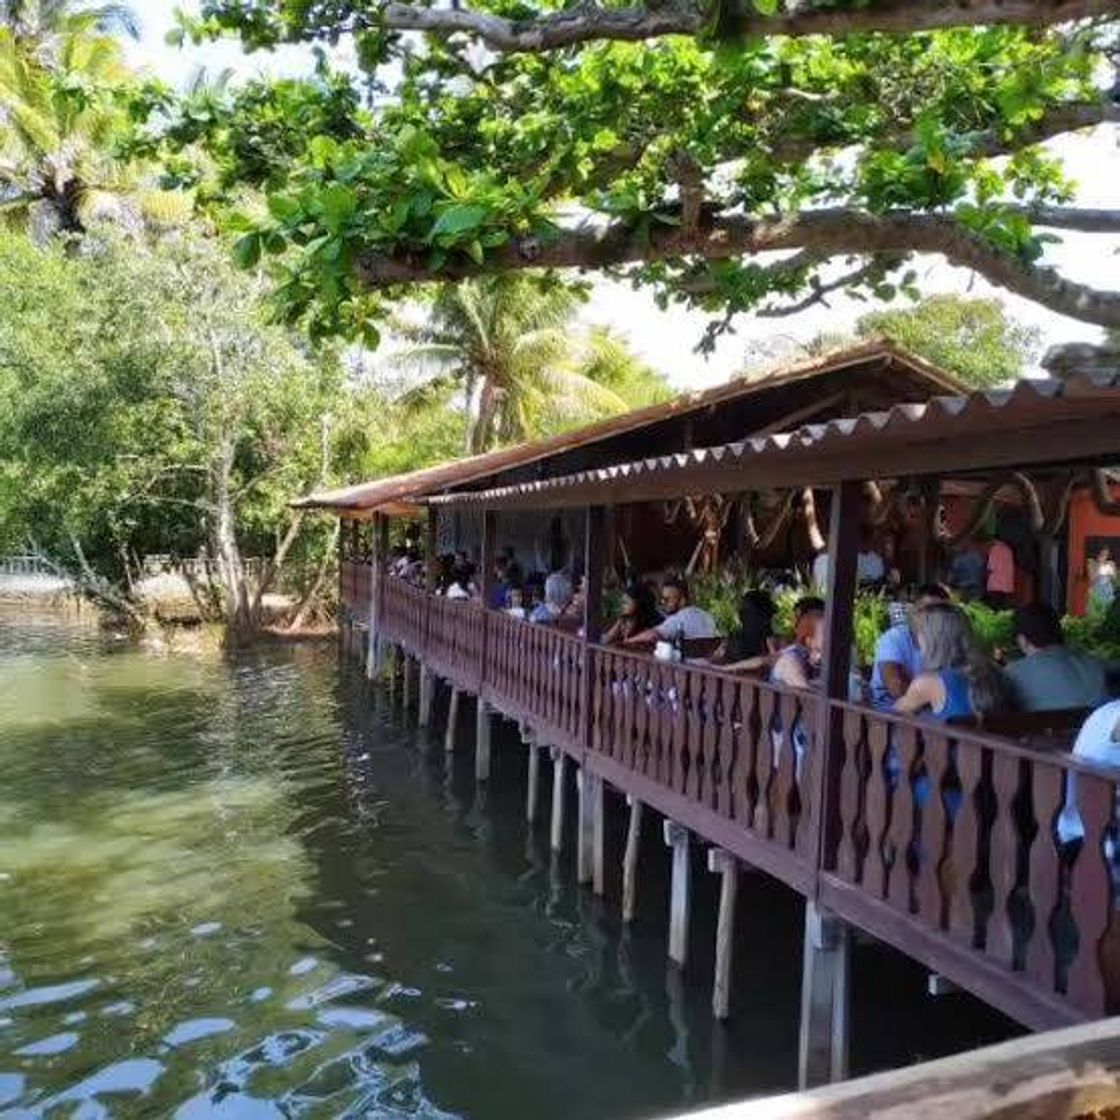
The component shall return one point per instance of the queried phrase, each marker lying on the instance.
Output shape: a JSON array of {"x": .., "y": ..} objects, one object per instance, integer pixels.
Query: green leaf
[
  {"x": 459, "y": 218},
  {"x": 338, "y": 203},
  {"x": 766, "y": 7},
  {"x": 247, "y": 251},
  {"x": 283, "y": 207}
]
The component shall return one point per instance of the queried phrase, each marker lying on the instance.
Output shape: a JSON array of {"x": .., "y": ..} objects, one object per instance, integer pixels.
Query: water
[{"x": 237, "y": 888}]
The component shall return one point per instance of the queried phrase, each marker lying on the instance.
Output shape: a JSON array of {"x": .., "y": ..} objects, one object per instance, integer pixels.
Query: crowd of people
[{"x": 927, "y": 663}]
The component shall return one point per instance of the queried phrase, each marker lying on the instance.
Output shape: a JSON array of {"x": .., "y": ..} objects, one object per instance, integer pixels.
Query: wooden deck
[{"x": 940, "y": 842}]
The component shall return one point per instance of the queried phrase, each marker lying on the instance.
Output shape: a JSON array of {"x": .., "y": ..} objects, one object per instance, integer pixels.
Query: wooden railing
[
  {"x": 966, "y": 842},
  {"x": 455, "y": 637},
  {"x": 949, "y": 844},
  {"x": 535, "y": 674},
  {"x": 738, "y": 755},
  {"x": 405, "y": 608},
  {"x": 356, "y": 588}
]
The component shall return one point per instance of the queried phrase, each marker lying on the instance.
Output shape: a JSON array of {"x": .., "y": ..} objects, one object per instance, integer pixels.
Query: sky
[{"x": 667, "y": 339}]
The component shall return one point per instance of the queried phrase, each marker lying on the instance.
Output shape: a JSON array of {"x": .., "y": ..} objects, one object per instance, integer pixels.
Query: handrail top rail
[{"x": 1063, "y": 760}]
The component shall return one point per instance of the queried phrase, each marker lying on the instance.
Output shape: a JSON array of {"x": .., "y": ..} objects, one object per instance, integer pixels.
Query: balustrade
[
  {"x": 955, "y": 846},
  {"x": 1000, "y": 852},
  {"x": 535, "y": 674}
]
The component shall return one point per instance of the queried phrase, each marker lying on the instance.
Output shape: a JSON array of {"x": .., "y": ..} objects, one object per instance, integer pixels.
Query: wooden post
[
  {"x": 823, "y": 1042},
  {"x": 559, "y": 792},
  {"x": 843, "y": 550},
  {"x": 930, "y": 489},
  {"x": 594, "y": 554},
  {"x": 680, "y": 898},
  {"x": 489, "y": 542},
  {"x": 532, "y": 792},
  {"x": 598, "y": 838},
  {"x": 452, "y": 720},
  {"x": 1050, "y": 589},
  {"x": 343, "y": 611},
  {"x": 406, "y": 692},
  {"x": 630, "y": 860},
  {"x": 725, "y": 865},
  {"x": 379, "y": 557},
  {"x": 427, "y": 694},
  {"x": 431, "y": 548},
  {"x": 483, "y": 729},
  {"x": 590, "y": 790}
]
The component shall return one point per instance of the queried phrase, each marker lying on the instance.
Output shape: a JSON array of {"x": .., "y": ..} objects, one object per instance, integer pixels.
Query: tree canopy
[
  {"x": 845, "y": 136},
  {"x": 973, "y": 338}
]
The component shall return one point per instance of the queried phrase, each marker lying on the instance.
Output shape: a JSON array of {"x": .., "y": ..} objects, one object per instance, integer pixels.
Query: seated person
[
  {"x": 515, "y": 603},
  {"x": 461, "y": 585},
  {"x": 799, "y": 664},
  {"x": 1098, "y": 741},
  {"x": 897, "y": 657},
  {"x": 639, "y": 614},
  {"x": 1099, "y": 737},
  {"x": 968, "y": 570},
  {"x": 956, "y": 681},
  {"x": 870, "y": 566},
  {"x": 575, "y": 606},
  {"x": 557, "y": 596},
  {"x": 752, "y": 648},
  {"x": 682, "y": 621},
  {"x": 1050, "y": 676}
]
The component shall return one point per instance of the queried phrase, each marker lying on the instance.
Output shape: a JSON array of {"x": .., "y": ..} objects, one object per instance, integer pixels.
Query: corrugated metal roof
[
  {"x": 971, "y": 431},
  {"x": 368, "y": 496}
]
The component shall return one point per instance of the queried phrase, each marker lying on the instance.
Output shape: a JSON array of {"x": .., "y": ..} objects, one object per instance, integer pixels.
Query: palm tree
[
  {"x": 59, "y": 120},
  {"x": 505, "y": 346},
  {"x": 39, "y": 21}
]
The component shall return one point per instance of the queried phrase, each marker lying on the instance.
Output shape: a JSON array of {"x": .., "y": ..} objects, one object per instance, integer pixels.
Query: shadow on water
[{"x": 248, "y": 888}]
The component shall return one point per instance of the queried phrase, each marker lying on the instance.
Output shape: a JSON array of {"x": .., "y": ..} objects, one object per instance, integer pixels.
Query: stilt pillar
[
  {"x": 598, "y": 839},
  {"x": 483, "y": 729},
  {"x": 559, "y": 792},
  {"x": 427, "y": 693},
  {"x": 590, "y": 834},
  {"x": 726, "y": 866},
  {"x": 630, "y": 860},
  {"x": 532, "y": 791},
  {"x": 823, "y": 1046},
  {"x": 452, "y": 721},
  {"x": 406, "y": 690},
  {"x": 680, "y": 896}
]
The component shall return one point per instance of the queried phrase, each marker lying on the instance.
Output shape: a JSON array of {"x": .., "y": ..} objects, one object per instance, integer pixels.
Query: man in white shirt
[
  {"x": 1098, "y": 741},
  {"x": 682, "y": 620}
]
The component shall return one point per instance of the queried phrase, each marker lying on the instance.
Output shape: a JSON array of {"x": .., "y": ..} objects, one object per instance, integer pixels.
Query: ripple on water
[
  {"x": 345, "y": 984},
  {"x": 54, "y": 993},
  {"x": 48, "y": 1047},
  {"x": 132, "y": 1076},
  {"x": 193, "y": 1030}
]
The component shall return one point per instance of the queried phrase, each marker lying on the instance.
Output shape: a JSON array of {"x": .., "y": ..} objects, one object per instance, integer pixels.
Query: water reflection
[
  {"x": 234, "y": 889},
  {"x": 246, "y": 889}
]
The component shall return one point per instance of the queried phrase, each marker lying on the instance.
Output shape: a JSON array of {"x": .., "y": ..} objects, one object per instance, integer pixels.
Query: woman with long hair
[
  {"x": 639, "y": 613},
  {"x": 957, "y": 681}
]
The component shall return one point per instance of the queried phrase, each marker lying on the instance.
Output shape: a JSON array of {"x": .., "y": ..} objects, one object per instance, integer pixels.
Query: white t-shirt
[
  {"x": 688, "y": 622},
  {"x": 820, "y": 571},
  {"x": 870, "y": 567},
  {"x": 1098, "y": 741}
]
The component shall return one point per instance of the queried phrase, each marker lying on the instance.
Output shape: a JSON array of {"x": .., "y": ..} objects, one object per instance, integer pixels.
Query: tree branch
[
  {"x": 827, "y": 233},
  {"x": 1055, "y": 121},
  {"x": 588, "y": 22},
  {"x": 820, "y": 291}
]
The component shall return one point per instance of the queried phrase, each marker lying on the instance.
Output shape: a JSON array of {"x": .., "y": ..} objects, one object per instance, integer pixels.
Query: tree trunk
[
  {"x": 487, "y": 410},
  {"x": 231, "y": 570},
  {"x": 299, "y": 619}
]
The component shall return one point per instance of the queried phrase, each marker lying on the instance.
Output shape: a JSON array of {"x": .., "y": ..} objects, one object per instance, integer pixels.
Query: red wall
[{"x": 1085, "y": 520}]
